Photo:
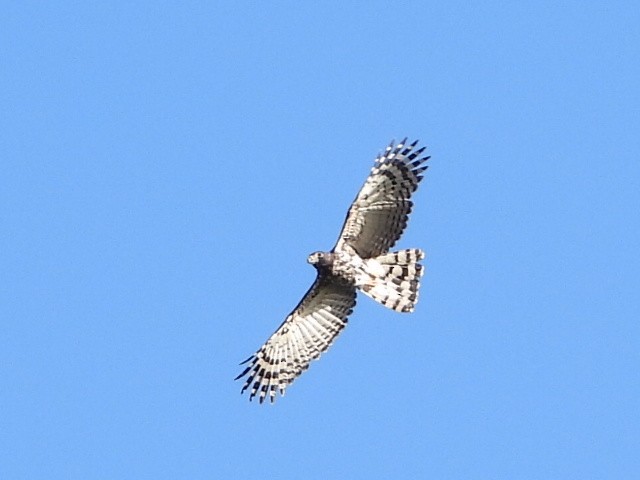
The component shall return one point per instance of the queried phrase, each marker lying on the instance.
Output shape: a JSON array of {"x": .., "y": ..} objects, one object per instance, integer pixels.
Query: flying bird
[{"x": 360, "y": 260}]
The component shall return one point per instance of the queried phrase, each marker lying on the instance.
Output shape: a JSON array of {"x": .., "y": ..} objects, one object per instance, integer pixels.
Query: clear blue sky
[{"x": 168, "y": 166}]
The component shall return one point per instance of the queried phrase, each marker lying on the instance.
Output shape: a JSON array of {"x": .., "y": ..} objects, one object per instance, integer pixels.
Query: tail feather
[{"x": 393, "y": 279}]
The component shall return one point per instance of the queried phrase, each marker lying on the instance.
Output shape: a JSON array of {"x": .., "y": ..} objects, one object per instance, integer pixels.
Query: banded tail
[{"x": 393, "y": 279}]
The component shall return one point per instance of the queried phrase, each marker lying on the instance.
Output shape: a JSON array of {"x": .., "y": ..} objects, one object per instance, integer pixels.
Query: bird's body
[
  {"x": 360, "y": 261},
  {"x": 342, "y": 264}
]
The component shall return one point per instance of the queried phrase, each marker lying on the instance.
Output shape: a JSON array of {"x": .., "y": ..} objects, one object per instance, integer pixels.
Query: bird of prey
[{"x": 360, "y": 260}]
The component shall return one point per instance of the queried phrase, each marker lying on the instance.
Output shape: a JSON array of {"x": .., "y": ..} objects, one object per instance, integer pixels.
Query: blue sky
[{"x": 167, "y": 168}]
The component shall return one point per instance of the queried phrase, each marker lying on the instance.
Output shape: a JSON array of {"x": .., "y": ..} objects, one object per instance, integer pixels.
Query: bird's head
[{"x": 315, "y": 258}]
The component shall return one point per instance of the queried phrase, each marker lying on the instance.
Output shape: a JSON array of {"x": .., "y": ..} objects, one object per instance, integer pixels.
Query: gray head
[
  {"x": 321, "y": 259},
  {"x": 315, "y": 258}
]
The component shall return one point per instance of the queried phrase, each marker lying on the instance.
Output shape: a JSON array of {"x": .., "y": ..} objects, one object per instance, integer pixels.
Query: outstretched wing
[
  {"x": 380, "y": 212},
  {"x": 307, "y": 332}
]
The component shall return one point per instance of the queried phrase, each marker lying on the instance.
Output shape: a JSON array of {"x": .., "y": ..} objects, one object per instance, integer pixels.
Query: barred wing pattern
[
  {"x": 380, "y": 212},
  {"x": 307, "y": 332}
]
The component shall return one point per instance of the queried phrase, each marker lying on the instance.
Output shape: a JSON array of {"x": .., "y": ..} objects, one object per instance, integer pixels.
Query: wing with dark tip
[
  {"x": 380, "y": 212},
  {"x": 307, "y": 332}
]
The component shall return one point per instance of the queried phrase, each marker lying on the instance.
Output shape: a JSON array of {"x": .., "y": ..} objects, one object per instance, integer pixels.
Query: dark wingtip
[
  {"x": 245, "y": 361},
  {"x": 244, "y": 372}
]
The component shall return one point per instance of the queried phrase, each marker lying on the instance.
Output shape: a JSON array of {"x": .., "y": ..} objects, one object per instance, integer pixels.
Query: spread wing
[
  {"x": 307, "y": 332},
  {"x": 380, "y": 212}
]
